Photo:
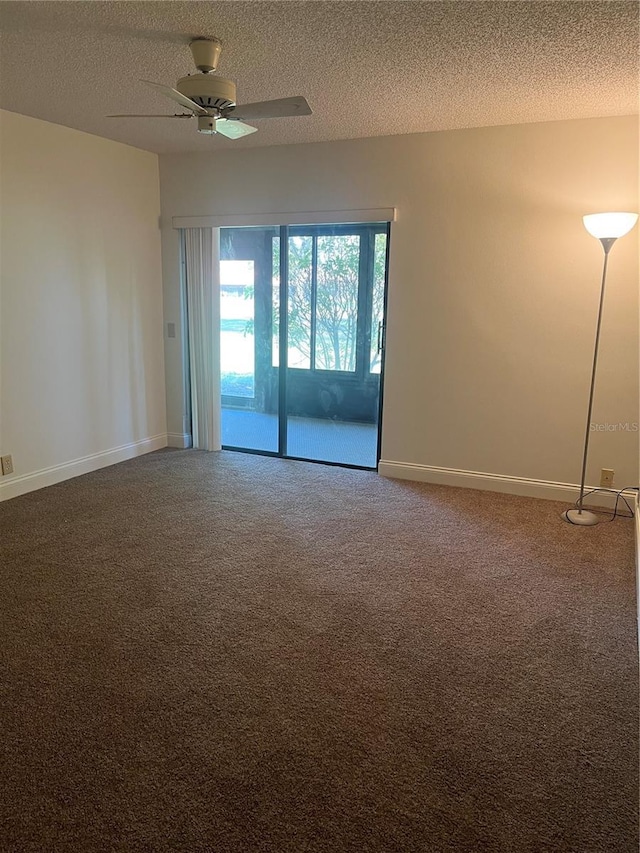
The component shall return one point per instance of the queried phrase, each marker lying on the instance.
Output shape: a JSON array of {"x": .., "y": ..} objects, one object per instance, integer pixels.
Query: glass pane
[
  {"x": 299, "y": 317},
  {"x": 329, "y": 439},
  {"x": 275, "y": 301},
  {"x": 377, "y": 301},
  {"x": 237, "y": 319},
  {"x": 249, "y": 392},
  {"x": 332, "y": 411},
  {"x": 337, "y": 302}
]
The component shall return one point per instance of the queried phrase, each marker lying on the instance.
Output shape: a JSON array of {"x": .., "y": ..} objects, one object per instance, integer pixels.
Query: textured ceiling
[{"x": 366, "y": 68}]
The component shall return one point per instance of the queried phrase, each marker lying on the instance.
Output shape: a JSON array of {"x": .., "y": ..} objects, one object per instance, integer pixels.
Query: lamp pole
[
  {"x": 607, "y": 227},
  {"x": 582, "y": 516}
]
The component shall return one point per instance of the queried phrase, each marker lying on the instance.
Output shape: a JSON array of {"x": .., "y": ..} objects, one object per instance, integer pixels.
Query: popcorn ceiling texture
[{"x": 366, "y": 68}]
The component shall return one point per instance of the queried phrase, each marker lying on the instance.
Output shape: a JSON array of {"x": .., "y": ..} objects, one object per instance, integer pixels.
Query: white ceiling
[{"x": 366, "y": 68}]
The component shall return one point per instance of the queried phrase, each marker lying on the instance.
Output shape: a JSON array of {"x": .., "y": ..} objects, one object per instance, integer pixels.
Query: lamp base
[{"x": 585, "y": 518}]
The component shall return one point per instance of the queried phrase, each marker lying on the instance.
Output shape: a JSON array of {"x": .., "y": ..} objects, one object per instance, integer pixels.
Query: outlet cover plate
[
  {"x": 7, "y": 464},
  {"x": 606, "y": 478}
]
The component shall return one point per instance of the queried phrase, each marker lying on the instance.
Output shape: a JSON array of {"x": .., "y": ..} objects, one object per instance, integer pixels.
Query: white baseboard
[
  {"x": 493, "y": 482},
  {"x": 20, "y": 485},
  {"x": 178, "y": 439}
]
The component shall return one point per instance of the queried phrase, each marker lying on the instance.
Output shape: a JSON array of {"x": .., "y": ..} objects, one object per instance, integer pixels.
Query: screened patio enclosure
[{"x": 301, "y": 340}]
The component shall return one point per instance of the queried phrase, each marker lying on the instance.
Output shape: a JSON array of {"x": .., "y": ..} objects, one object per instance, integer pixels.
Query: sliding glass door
[
  {"x": 302, "y": 332},
  {"x": 249, "y": 405}
]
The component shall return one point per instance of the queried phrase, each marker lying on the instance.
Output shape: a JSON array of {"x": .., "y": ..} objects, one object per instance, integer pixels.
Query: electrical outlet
[
  {"x": 606, "y": 478},
  {"x": 7, "y": 464}
]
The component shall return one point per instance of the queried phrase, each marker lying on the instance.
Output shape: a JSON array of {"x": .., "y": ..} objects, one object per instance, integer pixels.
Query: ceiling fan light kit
[
  {"x": 212, "y": 99},
  {"x": 207, "y": 124}
]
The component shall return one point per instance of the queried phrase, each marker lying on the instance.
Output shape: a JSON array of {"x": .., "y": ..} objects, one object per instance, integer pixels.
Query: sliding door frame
[
  {"x": 383, "y": 349},
  {"x": 283, "y": 340},
  {"x": 364, "y": 311}
]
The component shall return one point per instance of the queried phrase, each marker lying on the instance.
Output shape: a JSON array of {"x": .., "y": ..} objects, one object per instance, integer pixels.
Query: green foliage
[
  {"x": 237, "y": 384},
  {"x": 377, "y": 311},
  {"x": 336, "y": 299},
  {"x": 338, "y": 261}
]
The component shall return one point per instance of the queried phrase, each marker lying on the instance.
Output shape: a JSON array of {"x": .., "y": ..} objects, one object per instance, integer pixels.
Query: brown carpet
[{"x": 223, "y": 652}]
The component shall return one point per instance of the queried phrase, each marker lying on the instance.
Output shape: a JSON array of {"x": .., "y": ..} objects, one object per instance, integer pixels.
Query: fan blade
[
  {"x": 176, "y": 96},
  {"x": 279, "y": 108},
  {"x": 234, "y": 129},
  {"x": 151, "y": 115}
]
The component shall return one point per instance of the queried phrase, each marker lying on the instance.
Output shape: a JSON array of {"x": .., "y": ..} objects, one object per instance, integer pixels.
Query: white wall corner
[
  {"x": 179, "y": 439},
  {"x": 20, "y": 485}
]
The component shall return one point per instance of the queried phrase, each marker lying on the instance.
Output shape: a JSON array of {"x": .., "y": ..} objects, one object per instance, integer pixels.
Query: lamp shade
[{"x": 609, "y": 225}]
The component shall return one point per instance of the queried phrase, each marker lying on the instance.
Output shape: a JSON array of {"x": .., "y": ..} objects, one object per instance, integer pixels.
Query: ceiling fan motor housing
[{"x": 211, "y": 92}]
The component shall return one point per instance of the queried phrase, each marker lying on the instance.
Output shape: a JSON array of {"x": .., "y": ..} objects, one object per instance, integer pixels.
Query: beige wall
[
  {"x": 494, "y": 283},
  {"x": 82, "y": 371}
]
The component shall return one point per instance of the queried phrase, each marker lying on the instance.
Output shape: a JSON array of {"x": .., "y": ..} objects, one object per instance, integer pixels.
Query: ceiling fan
[{"x": 212, "y": 99}]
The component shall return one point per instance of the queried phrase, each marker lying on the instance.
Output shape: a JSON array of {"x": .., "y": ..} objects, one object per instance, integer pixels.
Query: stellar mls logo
[{"x": 619, "y": 427}]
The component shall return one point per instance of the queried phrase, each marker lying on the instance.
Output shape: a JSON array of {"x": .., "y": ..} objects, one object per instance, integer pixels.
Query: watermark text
[{"x": 619, "y": 427}]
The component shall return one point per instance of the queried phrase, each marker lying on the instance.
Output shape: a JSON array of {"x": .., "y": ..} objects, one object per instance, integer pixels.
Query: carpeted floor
[{"x": 229, "y": 653}]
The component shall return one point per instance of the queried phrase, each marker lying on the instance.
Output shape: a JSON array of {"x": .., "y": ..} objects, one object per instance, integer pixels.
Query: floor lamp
[{"x": 606, "y": 227}]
